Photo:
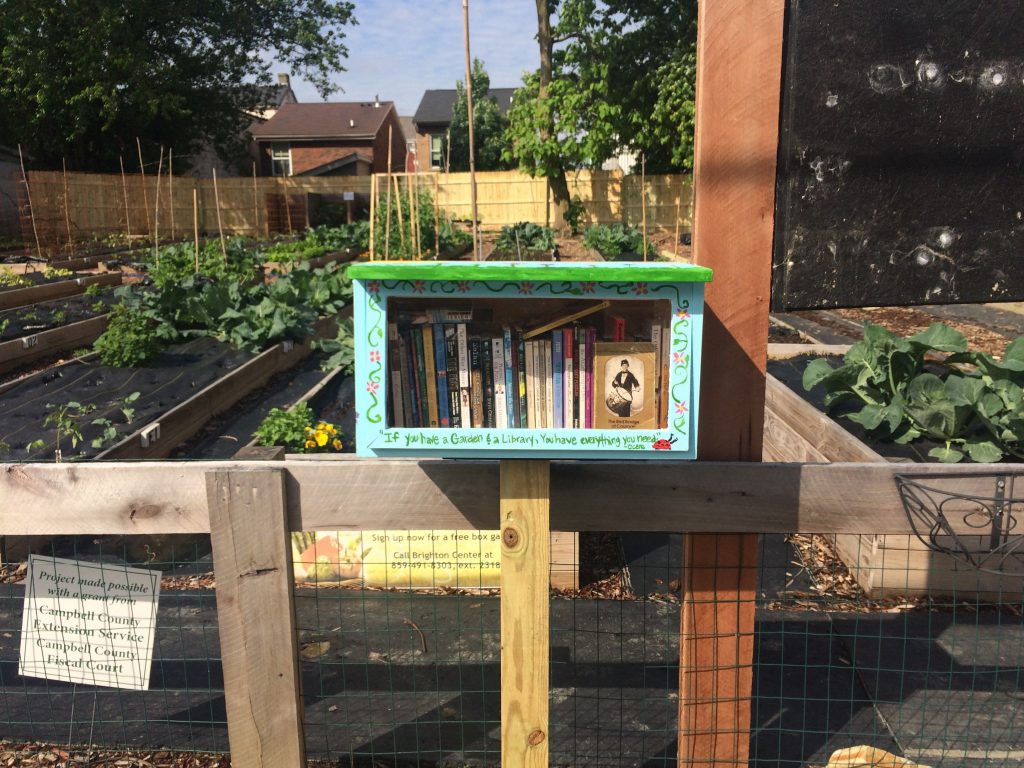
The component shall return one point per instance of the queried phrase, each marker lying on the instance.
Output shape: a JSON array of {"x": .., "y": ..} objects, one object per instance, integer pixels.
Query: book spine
[
  {"x": 441, "y": 372},
  {"x": 476, "y": 383},
  {"x": 591, "y": 383},
  {"x": 421, "y": 377},
  {"x": 465, "y": 391},
  {"x": 567, "y": 358},
  {"x": 511, "y": 389},
  {"x": 577, "y": 372},
  {"x": 395, "y": 379},
  {"x": 531, "y": 384},
  {"x": 407, "y": 388},
  {"x": 524, "y": 402},
  {"x": 431, "y": 376},
  {"x": 487, "y": 369},
  {"x": 549, "y": 384},
  {"x": 656, "y": 339},
  {"x": 541, "y": 390},
  {"x": 498, "y": 373},
  {"x": 451, "y": 359},
  {"x": 557, "y": 378},
  {"x": 581, "y": 358}
]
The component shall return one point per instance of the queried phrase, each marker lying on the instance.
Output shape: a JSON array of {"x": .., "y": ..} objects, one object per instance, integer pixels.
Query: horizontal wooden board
[
  {"x": 21, "y": 297},
  {"x": 14, "y": 353},
  {"x": 354, "y": 494}
]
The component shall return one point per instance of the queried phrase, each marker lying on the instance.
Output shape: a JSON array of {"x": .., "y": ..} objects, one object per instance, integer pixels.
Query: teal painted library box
[{"x": 528, "y": 359}]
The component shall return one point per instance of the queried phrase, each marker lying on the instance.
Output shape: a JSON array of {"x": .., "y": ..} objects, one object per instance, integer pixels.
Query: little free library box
[{"x": 528, "y": 359}]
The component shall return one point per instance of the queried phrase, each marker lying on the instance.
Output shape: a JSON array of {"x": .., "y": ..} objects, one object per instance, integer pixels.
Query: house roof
[
  {"x": 408, "y": 128},
  {"x": 331, "y": 120},
  {"x": 347, "y": 158},
  {"x": 436, "y": 105}
]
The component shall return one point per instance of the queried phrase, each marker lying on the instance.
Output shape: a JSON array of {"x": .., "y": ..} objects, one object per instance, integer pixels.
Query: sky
[{"x": 401, "y": 48}]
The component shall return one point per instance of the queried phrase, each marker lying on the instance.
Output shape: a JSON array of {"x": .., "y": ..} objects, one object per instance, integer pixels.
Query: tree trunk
[{"x": 556, "y": 175}]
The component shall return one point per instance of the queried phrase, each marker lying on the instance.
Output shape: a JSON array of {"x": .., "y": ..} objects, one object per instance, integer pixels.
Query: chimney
[
  {"x": 284, "y": 79},
  {"x": 351, "y": 123},
  {"x": 376, "y": 101}
]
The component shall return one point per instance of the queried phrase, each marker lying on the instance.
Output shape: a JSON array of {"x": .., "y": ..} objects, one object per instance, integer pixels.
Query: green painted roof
[{"x": 506, "y": 271}]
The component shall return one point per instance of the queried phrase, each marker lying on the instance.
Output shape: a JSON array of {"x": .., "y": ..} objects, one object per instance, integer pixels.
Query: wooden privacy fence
[
  {"x": 70, "y": 208},
  {"x": 249, "y": 509}
]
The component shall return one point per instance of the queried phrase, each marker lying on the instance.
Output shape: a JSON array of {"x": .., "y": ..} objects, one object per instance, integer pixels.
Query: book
[
  {"x": 531, "y": 384},
  {"x": 581, "y": 354},
  {"x": 407, "y": 388},
  {"x": 465, "y": 393},
  {"x": 572, "y": 315},
  {"x": 487, "y": 366},
  {"x": 476, "y": 383},
  {"x": 623, "y": 375},
  {"x": 395, "y": 378},
  {"x": 567, "y": 362},
  {"x": 511, "y": 390},
  {"x": 441, "y": 374},
  {"x": 524, "y": 405},
  {"x": 577, "y": 372},
  {"x": 421, "y": 377},
  {"x": 548, "y": 372},
  {"x": 614, "y": 327},
  {"x": 500, "y": 400},
  {"x": 430, "y": 372},
  {"x": 588, "y": 377},
  {"x": 557, "y": 379},
  {"x": 658, "y": 352},
  {"x": 451, "y": 358}
]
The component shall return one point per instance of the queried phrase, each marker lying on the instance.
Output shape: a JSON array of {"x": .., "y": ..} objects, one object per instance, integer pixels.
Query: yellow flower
[
  {"x": 332, "y": 429},
  {"x": 310, "y": 444},
  {"x": 336, "y": 444},
  {"x": 321, "y": 427},
  {"x": 321, "y": 438}
]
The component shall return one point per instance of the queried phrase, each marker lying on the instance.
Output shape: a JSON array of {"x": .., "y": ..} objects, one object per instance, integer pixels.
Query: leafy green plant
[
  {"x": 56, "y": 273},
  {"x": 574, "y": 212},
  {"x": 930, "y": 386},
  {"x": 98, "y": 307},
  {"x": 10, "y": 280},
  {"x": 64, "y": 418},
  {"x": 396, "y": 240},
  {"x": 5, "y": 448},
  {"x": 177, "y": 262},
  {"x": 131, "y": 338},
  {"x": 616, "y": 240},
  {"x": 108, "y": 435},
  {"x": 341, "y": 350},
  {"x": 525, "y": 236},
  {"x": 4, "y": 324},
  {"x": 125, "y": 406},
  {"x": 58, "y": 317},
  {"x": 93, "y": 289},
  {"x": 285, "y": 427},
  {"x": 29, "y": 316}
]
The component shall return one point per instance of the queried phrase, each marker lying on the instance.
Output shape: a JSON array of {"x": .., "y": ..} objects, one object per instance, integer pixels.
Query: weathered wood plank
[
  {"x": 725, "y": 497},
  {"x": 525, "y": 554},
  {"x": 14, "y": 353},
  {"x": 256, "y": 617}
]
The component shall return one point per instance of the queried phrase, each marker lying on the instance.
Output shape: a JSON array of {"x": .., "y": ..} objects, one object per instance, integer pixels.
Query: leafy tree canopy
[
  {"x": 489, "y": 126},
  {"x": 81, "y": 80},
  {"x": 623, "y": 77}
]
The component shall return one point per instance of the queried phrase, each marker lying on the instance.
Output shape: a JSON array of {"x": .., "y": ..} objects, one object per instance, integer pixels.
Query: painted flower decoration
[
  {"x": 640, "y": 289},
  {"x": 462, "y": 286},
  {"x": 372, "y": 387},
  {"x": 419, "y": 286},
  {"x": 374, "y": 356},
  {"x": 683, "y": 314},
  {"x": 681, "y": 408},
  {"x": 526, "y": 287},
  {"x": 373, "y": 287},
  {"x": 588, "y": 287},
  {"x": 679, "y": 358}
]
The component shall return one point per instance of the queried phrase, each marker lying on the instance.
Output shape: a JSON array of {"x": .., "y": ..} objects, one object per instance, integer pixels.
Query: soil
[
  {"x": 173, "y": 376},
  {"x": 46, "y": 315},
  {"x": 571, "y": 248}
]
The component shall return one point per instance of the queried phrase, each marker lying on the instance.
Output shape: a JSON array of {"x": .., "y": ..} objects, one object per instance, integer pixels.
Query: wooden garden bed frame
[{"x": 21, "y": 297}]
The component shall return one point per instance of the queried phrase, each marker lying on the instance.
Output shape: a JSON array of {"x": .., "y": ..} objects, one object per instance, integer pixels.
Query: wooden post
[
  {"x": 437, "y": 219},
  {"x": 67, "y": 213},
  {"x": 412, "y": 218},
  {"x": 195, "y": 222},
  {"x": 31, "y": 210},
  {"x": 220, "y": 228},
  {"x": 170, "y": 187},
  {"x": 256, "y": 200},
  {"x": 525, "y": 556},
  {"x": 252, "y": 557},
  {"x": 387, "y": 208},
  {"x": 145, "y": 192},
  {"x": 287, "y": 205},
  {"x": 643, "y": 201},
  {"x": 156, "y": 209},
  {"x": 373, "y": 212},
  {"x": 739, "y": 55},
  {"x": 477, "y": 249},
  {"x": 124, "y": 188},
  {"x": 679, "y": 205},
  {"x": 398, "y": 206}
]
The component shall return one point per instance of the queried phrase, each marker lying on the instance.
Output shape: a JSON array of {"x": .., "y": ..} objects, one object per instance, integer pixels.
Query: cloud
[{"x": 399, "y": 48}]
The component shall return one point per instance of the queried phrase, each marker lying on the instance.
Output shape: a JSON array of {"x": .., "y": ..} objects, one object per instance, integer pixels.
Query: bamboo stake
[
  {"x": 437, "y": 221},
  {"x": 195, "y": 222},
  {"x": 469, "y": 108},
  {"x": 156, "y": 210},
  {"x": 398, "y": 205},
  {"x": 124, "y": 187},
  {"x": 412, "y": 214},
  {"x": 679, "y": 203},
  {"x": 416, "y": 197},
  {"x": 387, "y": 225},
  {"x": 31, "y": 210},
  {"x": 145, "y": 193},
  {"x": 287, "y": 207},
  {"x": 373, "y": 212},
  {"x": 170, "y": 186},
  {"x": 643, "y": 201},
  {"x": 220, "y": 228},
  {"x": 255, "y": 199},
  {"x": 67, "y": 214}
]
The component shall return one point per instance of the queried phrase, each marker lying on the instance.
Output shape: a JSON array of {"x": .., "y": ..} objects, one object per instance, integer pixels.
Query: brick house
[
  {"x": 434, "y": 115},
  {"x": 330, "y": 139}
]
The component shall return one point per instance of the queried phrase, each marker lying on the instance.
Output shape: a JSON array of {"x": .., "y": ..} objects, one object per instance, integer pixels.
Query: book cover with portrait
[{"x": 624, "y": 396}]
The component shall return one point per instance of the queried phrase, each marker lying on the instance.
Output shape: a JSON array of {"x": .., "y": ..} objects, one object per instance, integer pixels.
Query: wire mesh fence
[{"x": 394, "y": 676}]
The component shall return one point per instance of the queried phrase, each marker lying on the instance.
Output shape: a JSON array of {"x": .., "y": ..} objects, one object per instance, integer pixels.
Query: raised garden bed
[
  {"x": 43, "y": 289},
  {"x": 45, "y": 316}
]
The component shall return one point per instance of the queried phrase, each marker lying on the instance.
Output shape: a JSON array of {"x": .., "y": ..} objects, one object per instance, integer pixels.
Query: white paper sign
[
  {"x": 348, "y": 195},
  {"x": 88, "y": 622}
]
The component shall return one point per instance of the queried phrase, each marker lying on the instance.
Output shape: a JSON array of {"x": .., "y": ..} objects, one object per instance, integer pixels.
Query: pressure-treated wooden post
[
  {"x": 256, "y": 616},
  {"x": 525, "y": 555},
  {"x": 739, "y": 58}
]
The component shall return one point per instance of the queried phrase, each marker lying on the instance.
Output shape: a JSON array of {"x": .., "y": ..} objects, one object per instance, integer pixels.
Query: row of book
[{"x": 442, "y": 375}]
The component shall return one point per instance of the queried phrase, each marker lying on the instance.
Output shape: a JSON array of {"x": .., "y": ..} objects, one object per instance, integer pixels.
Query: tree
[
  {"x": 82, "y": 80},
  {"x": 489, "y": 126},
  {"x": 623, "y": 77}
]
